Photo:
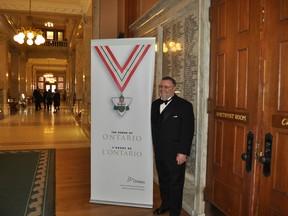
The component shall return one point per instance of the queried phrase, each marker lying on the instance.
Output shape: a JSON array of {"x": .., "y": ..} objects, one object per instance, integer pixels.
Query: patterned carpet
[{"x": 27, "y": 183}]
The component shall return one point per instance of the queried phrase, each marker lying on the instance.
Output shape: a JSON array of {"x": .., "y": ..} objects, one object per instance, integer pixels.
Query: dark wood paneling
[
  {"x": 243, "y": 16},
  {"x": 220, "y": 92},
  {"x": 242, "y": 79},
  {"x": 283, "y": 77}
]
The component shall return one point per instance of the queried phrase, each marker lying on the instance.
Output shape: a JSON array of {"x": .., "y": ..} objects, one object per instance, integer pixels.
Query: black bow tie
[{"x": 166, "y": 101}]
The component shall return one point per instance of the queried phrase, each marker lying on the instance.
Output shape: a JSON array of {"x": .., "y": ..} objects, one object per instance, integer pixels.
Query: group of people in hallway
[{"x": 47, "y": 98}]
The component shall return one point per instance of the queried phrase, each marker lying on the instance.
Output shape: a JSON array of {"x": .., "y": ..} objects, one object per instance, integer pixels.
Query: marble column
[
  {"x": 29, "y": 79},
  {"x": 14, "y": 75},
  {"x": 72, "y": 93},
  {"x": 23, "y": 76},
  {"x": 95, "y": 19},
  {"x": 3, "y": 74},
  {"x": 202, "y": 92},
  {"x": 79, "y": 73},
  {"x": 87, "y": 34},
  {"x": 67, "y": 82},
  {"x": 91, "y": 31}
]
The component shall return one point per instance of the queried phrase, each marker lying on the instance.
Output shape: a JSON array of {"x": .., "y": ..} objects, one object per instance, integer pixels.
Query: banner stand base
[{"x": 121, "y": 203}]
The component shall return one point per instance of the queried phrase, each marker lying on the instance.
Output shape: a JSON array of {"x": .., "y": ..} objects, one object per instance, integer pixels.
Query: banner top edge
[{"x": 123, "y": 41}]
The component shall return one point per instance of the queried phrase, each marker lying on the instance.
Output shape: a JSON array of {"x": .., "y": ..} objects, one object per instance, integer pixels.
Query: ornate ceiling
[
  {"x": 60, "y": 12},
  {"x": 47, "y": 6},
  {"x": 65, "y": 14}
]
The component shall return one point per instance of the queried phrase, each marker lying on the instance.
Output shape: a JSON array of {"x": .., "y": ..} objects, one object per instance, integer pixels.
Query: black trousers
[
  {"x": 171, "y": 183},
  {"x": 37, "y": 104}
]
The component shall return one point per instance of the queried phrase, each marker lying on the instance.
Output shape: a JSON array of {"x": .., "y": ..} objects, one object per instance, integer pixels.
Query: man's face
[{"x": 166, "y": 89}]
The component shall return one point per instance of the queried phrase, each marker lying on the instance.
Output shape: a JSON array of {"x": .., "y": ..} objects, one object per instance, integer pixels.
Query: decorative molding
[
  {"x": 162, "y": 12},
  {"x": 59, "y": 6}
]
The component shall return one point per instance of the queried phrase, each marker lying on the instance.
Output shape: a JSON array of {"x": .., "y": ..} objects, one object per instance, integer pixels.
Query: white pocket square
[{"x": 175, "y": 116}]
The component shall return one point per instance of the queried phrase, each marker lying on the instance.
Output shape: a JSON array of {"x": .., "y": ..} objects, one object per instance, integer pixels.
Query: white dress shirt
[{"x": 163, "y": 105}]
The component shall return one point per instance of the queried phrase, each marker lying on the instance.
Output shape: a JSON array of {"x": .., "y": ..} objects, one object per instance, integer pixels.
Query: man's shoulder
[
  {"x": 182, "y": 100},
  {"x": 156, "y": 101}
]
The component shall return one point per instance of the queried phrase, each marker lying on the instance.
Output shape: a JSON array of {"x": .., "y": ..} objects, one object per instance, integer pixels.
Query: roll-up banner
[{"x": 122, "y": 76}]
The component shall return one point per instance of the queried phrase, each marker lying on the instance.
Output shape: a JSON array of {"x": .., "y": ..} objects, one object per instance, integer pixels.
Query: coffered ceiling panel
[{"x": 49, "y": 6}]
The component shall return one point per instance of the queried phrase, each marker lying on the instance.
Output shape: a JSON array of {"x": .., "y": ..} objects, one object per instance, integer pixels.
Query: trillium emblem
[{"x": 121, "y": 104}]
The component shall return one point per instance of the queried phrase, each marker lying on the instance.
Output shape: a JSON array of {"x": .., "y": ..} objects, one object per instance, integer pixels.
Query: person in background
[
  {"x": 38, "y": 98},
  {"x": 49, "y": 99},
  {"x": 172, "y": 125},
  {"x": 45, "y": 99},
  {"x": 56, "y": 99}
]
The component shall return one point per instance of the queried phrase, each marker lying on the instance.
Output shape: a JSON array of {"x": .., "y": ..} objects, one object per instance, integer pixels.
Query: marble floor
[
  {"x": 43, "y": 129},
  {"x": 30, "y": 129}
]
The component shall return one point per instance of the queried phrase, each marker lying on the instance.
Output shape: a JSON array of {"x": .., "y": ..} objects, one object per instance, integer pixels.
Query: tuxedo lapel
[{"x": 167, "y": 111}]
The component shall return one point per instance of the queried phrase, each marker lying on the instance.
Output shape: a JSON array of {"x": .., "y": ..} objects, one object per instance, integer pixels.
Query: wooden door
[
  {"x": 248, "y": 87},
  {"x": 234, "y": 103},
  {"x": 273, "y": 194}
]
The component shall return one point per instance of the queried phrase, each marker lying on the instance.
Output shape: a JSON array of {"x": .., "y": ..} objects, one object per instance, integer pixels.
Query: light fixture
[
  {"x": 49, "y": 77},
  {"x": 31, "y": 35},
  {"x": 49, "y": 24},
  {"x": 173, "y": 46}
]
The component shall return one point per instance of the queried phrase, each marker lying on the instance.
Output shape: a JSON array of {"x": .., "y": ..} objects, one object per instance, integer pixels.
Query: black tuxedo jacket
[{"x": 173, "y": 129}]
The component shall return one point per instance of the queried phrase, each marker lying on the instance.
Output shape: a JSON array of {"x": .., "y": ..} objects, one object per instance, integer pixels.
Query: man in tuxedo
[{"x": 172, "y": 122}]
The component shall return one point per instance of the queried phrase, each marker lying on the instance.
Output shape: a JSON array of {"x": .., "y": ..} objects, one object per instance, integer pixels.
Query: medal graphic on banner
[{"x": 122, "y": 74}]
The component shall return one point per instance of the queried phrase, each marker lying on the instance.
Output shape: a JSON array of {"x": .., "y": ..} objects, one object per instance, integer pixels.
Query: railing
[
  {"x": 54, "y": 43},
  {"x": 78, "y": 106}
]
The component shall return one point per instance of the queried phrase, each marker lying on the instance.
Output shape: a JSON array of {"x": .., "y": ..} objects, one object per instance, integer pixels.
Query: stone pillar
[
  {"x": 91, "y": 31},
  {"x": 23, "y": 76},
  {"x": 72, "y": 92},
  {"x": 29, "y": 79},
  {"x": 87, "y": 35},
  {"x": 34, "y": 78},
  {"x": 79, "y": 74},
  {"x": 95, "y": 19},
  {"x": 14, "y": 75},
  {"x": 67, "y": 82},
  {"x": 203, "y": 92},
  {"x": 3, "y": 75}
]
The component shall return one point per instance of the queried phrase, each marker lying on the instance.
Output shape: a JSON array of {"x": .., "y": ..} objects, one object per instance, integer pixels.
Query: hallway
[{"x": 30, "y": 129}]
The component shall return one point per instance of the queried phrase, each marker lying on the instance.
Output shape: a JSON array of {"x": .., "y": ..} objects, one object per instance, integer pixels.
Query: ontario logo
[
  {"x": 121, "y": 104},
  {"x": 131, "y": 179}
]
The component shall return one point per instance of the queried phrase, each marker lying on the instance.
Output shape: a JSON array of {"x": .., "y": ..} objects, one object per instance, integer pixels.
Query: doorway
[
  {"x": 247, "y": 166},
  {"x": 52, "y": 87}
]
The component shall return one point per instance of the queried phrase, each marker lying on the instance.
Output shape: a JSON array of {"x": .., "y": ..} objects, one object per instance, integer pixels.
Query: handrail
[{"x": 55, "y": 43}]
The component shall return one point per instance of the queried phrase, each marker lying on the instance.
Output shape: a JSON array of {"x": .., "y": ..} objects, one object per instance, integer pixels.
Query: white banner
[{"x": 121, "y": 145}]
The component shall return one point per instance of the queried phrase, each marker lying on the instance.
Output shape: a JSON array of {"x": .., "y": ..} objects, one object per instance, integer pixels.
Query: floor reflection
[{"x": 28, "y": 128}]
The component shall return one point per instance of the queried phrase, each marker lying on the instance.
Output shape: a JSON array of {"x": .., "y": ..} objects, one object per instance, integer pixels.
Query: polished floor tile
[{"x": 29, "y": 128}]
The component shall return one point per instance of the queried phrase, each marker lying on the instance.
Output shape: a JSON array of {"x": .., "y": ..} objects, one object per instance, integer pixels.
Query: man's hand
[{"x": 181, "y": 158}]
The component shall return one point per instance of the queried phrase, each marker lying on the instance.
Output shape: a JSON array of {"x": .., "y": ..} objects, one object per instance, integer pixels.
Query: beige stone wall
[
  {"x": 184, "y": 22},
  {"x": 108, "y": 19},
  {"x": 146, "y": 5},
  {"x": 3, "y": 75}
]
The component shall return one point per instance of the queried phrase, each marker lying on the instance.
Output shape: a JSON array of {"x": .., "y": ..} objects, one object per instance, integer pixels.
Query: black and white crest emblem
[{"x": 121, "y": 104}]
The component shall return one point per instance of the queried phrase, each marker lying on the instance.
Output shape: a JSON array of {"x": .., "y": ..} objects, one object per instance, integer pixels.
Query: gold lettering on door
[
  {"x": 280, "y": 121},
  {"x": 242, "y": 117},
  {"x": 285, "y": 121}
]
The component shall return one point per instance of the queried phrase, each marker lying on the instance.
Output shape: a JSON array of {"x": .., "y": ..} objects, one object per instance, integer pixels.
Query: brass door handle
[{"x": 266, "y": 158}]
